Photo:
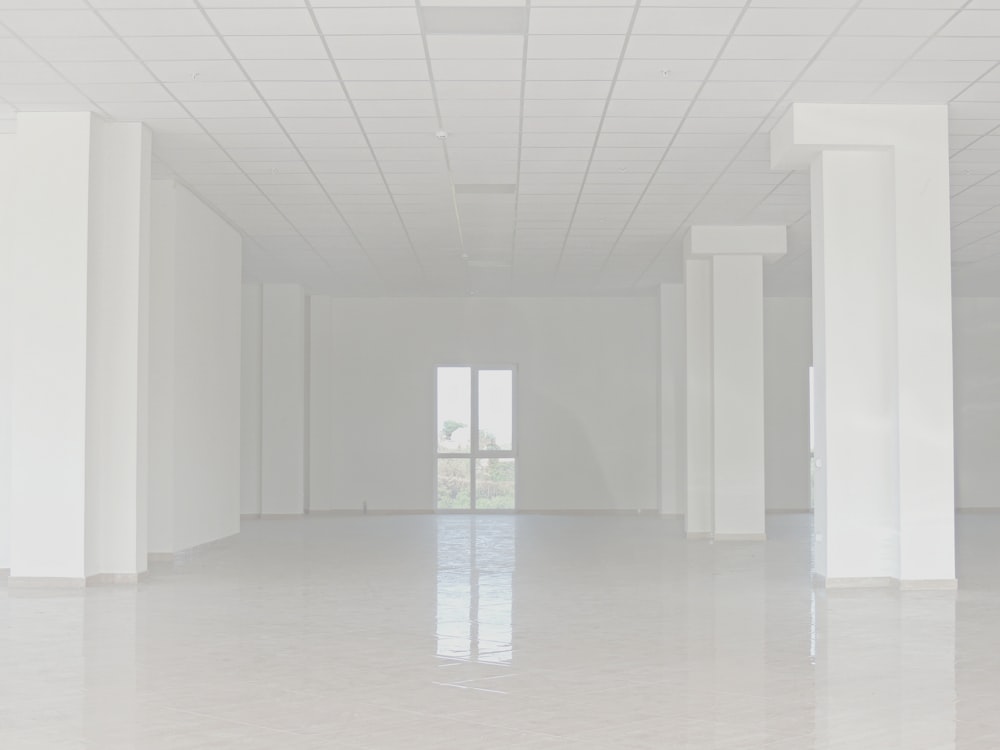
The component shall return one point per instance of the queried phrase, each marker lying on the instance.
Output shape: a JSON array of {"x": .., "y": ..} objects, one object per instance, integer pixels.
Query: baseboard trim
[
  {"x": 697, "y": 536},
  {"x": 789, "y": 511},
  {"x": 933, "y": 584},
  {"x": 45, "y": 582},
  {"x": 886, "y": 582}
]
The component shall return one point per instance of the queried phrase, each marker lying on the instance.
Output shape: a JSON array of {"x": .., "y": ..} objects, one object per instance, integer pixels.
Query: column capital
[
  {"x": 806, "y": 129},
  {"x": 706, "y": 240}
]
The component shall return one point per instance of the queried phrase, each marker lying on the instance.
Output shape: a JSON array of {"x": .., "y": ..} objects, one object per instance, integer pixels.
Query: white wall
[
  {"x": 195, "y": 384},
  {"x": 787, "y": 356},
  {"x": 587, "y": 384},
  {"x": 977, "y": 401},
  {"x": 250, "y": 396},
  {"x": 283, "y": 399},
  {"x": 6, "y": 213}
]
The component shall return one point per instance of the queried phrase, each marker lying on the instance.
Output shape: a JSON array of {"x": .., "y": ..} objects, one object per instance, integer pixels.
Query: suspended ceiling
[{"x": 440, "y": 147}]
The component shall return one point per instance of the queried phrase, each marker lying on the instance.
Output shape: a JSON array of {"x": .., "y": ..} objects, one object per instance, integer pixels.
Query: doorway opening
[{"x": 475, "y": 461}]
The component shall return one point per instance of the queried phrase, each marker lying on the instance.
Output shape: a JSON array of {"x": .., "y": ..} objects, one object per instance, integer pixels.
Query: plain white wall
[
  {"x": 787, "y": 357},
  {"x": 977, "y": 401},
  {"x": 251, "y": 399},
  {"x": 587, "y": 383},
  {"x": 283, "y": 400},
  {"x": 7, "y": 142},
  {"x": 196, "y": 418}
]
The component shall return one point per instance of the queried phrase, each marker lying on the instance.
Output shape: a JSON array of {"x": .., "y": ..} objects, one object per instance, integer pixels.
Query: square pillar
[
  {"x": 725, "y": 384},
  {"x": 881, "y": 338},
  {"x": 79, "y": 373}
]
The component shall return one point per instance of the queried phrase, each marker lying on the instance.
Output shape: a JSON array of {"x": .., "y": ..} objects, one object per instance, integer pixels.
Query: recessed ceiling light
[
  {"x": 483, "y": 20},
  {"x": 442, "y": 134}
]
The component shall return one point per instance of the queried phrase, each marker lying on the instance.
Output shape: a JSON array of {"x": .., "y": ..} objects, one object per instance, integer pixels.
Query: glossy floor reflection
[{"x": 504, "y": 632}]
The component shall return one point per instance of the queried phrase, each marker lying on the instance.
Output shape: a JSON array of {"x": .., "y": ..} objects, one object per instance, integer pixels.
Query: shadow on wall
[{"x": 559, "y": 467}]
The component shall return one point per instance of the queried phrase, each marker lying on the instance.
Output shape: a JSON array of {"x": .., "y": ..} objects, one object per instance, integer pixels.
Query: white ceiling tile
[
  {"x": 382, "y": 70},
  {"x": 253, "y": 21},
  {"x": 389, "y": 90},
  {"x": 157, "y": 22},
  {"x": 917, "y": 93},
  {"x": 656, "y": 90},
  {"x": 672, "y": 46},
  {"x": 790, "y": 21},
  {"x": 474, "y": 90},
  {"x": 855, "y": 48},
  {"x": 311, "y": 108},
  {"x": 595, "y": 72},
  {"x": 242, "y": 125},
  {"x": 197, "y": 70},
  {"x": 693, "y": 20},
  {"x": 371, "y": 47},
  {"x": 178, "y": 48},
  {"x": 289, "y": 70},
  {"x": 567, "y": 89},
  {"x": 579, "y": 20},
  {"x": 974, "y": 23},
  {"x": 563, "y": 107},
  {"x": 567, "y": 46},
  {"x": 772, "y": 47},
  {"x": 277, "y": 47},
  {"x": 758, "y": 70},
  {"x": 479, "y": 46},
  {"x": 34, "y": 94},
  {"x": 126, "y": 92},
  {"x": 297, "y": 90},
  {"x": 959, "y": 48},
  {"x": 478, "y": 107},
  {"x": 54, "y": 23},
  {"x": 842, "y": 71},
  {"x": 28, "y": 73},
  {"x": 657, "y": 70},
  {"x": 143, "y": 110},
  {"x": 395, "y": 108},
  {"x": 894, "y": 22},
  {"x": 14, "y": 50},
  {"x": 763, "y": 91},
  {"x": 943, "y": 70},
  {"x": 105, "y": 72},
  {"x": 561, "y": 124},
  {"x": 228, "y": 109},
  {"x": 646, "y": 108},
  {"x": 59, "y": 49},
  {"x": 476, "y": 70},
  {"x": 320, "y": 124},
  {"x": 360, "y": 20}
]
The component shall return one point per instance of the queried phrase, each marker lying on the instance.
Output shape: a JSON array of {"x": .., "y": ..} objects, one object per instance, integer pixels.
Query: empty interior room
[{"x": 499, "y": 374}]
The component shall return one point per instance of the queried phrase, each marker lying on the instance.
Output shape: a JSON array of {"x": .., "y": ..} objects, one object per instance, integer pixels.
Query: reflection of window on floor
[
  {"x": 474, "y": 588},
  {"x": 475, "y": 437}
]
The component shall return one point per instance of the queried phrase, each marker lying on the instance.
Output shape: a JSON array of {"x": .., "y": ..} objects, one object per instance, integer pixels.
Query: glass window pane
[
  {"x": 494, "y": 483},
  {"x": 453, "y": 483},
  {"x": 454, "y": 409},
  {"x": 496, "y": 410}
]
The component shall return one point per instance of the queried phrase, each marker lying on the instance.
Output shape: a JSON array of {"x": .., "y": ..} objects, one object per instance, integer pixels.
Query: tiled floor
[{"x": 538, "y": 632}]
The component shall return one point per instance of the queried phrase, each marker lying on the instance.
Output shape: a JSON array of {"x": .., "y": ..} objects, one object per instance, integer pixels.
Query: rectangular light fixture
[{"x": 474, "y": 20}]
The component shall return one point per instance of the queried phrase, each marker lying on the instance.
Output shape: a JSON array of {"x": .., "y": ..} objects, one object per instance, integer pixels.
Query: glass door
[{"x": 475, "y": 438}]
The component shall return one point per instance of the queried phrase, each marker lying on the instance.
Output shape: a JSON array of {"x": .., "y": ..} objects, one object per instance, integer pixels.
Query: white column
[
  {"x": 698, "y": 420},
  {"x": 725, "y": 424},
  {"x": 881, "y": 337},
  {"x": 322, "y": 425},
  {"x": 283, "y": 406},
  {"x": 79, "y": 294},
  {"x": 250, "y": 396},
  {"x": 671, "y": 393},
  {"x": 7, "y": 156}
]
